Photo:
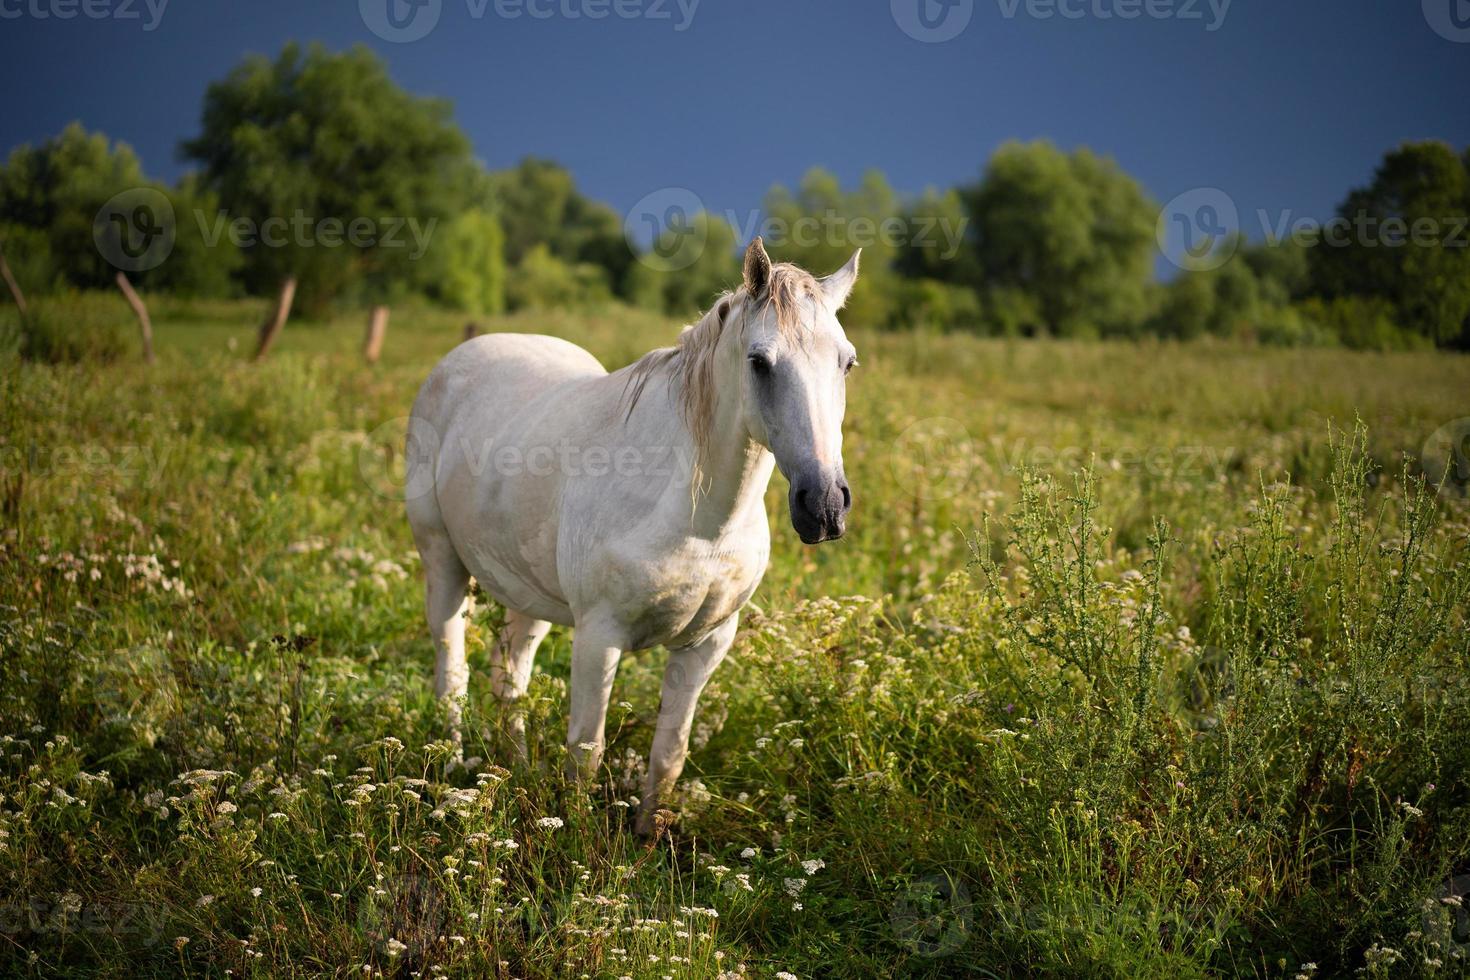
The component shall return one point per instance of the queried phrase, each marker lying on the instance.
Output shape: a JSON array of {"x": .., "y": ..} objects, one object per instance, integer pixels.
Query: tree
[
  {"x": 687, "y": 267},
  {"x": 542, "y": 281},
  {"x": 1072, "y": 231},
  {"x": 538, "y": 202},
  {"x": 937, "y": 243},
  {"x": 52, "y": 195},
  {"x": 1405, "y": 239},
  {"x": 820, "y": 226},
  {"x": 465, "y": 266},
  {"x": 316, "y": 141}
]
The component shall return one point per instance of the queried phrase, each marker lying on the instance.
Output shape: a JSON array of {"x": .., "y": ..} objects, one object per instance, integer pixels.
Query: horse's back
[{"x": 501, "y": 369}]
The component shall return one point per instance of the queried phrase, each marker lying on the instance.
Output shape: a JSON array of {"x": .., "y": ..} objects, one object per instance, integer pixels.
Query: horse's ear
[
  {"x": 838, "y": 286},
  {"x": 757, "y": 267}
]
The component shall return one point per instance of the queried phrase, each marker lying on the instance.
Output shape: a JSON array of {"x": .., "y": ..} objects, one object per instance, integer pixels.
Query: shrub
[
  {"x": 73, "y": 328},
  {"x": 1363, "y": 323},
  {"x": 935, "y": 305},
  {"x": 543, "y": 281}
]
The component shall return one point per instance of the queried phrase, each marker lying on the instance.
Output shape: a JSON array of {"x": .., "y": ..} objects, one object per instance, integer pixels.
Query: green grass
[{"x": 1137, "y": 661}]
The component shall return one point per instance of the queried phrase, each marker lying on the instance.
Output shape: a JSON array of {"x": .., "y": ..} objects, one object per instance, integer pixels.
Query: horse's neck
[{"x": 734, "y": 471}]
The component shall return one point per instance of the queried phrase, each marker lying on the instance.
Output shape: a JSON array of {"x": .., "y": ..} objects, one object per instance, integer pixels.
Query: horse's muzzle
[{"x": 819, "y": 504}]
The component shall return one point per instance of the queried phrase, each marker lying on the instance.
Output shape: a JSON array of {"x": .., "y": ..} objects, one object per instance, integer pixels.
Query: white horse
[{"x": 628, "y": 505}]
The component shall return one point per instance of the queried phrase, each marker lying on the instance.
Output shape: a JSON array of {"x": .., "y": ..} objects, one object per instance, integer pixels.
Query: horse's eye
[
  {"x": 760, "y": 363},
  {"x": 852, "y": 362}
]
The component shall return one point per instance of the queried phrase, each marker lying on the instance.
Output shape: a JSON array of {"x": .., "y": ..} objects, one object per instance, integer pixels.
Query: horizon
[{"x": 1273, "y": 146}]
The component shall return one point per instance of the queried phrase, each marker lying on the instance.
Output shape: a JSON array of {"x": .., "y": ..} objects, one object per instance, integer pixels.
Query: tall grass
[{"x": 1131, "y": 665}]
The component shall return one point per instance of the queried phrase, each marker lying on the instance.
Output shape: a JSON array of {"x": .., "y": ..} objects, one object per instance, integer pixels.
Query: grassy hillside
[{"x": 1197, "y": 710}]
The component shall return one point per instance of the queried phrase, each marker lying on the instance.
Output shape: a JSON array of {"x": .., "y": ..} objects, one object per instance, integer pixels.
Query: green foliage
[
  {"x": 938, "y": 239},
  {"x": 686, "y": 268},
  {"x": 1361, "y": 323},
  {"x": 464, "y": 267},
  {"x": 1188, "y": 308},
  {"x": 55, "y": 190},
  {"x": 542, "y": 281},
  {"x": 52, "y": 194},
  {"x": 538, "y": 202},
  {"x": 821, "y": 225},
  {"x": 1072, "y": 231},
  {"x": 324, "y": 137},
  {"x": 68, "y": 328},
  {"x": 1014, "y": 312},
  {"x": 931, "y": 304},
  {"x": 1405, "y": 239},
  {"x": 28, "y": 253}
]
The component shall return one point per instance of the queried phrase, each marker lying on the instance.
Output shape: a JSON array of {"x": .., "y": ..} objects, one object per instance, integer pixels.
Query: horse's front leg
[
  {"x": 688, "y": 671},
  {"x": 596, "y": 649}
]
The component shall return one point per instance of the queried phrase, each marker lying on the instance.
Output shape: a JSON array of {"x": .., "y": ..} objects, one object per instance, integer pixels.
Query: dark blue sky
[{"x": 1284, "y": 106}]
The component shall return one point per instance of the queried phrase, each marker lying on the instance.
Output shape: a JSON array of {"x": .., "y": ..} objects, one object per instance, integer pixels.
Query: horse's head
[{"x": 795, "y": 384}]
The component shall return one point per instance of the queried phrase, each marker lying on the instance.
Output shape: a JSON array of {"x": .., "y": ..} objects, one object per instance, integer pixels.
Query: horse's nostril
[
  {"x": 801, "y": 499},
  {"x": 846, "y": 498}
]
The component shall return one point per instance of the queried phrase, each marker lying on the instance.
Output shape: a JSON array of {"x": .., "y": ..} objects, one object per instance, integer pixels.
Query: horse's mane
[{"x": 691, "y": 361}]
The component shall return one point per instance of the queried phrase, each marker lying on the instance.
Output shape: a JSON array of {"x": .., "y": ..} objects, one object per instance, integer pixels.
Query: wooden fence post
[
  {"x": 145, "y": 325},
  {"x": 16, "y": 294},
  {"x": 271, "y": 327},
  {"x": 376, "y": 331},
  {"x": 471, "y": 330}
]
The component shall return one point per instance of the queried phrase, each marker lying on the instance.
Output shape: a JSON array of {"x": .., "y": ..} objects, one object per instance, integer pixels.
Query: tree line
[{"x": 310, "y": 165}]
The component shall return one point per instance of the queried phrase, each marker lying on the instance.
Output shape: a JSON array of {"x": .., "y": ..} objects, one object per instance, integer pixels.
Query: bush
[
  {"x": 1014, "y": 313},
  {"x": 71, "y": 328},
  {"x": 1362, "y": 323},
  {"x": 543, "y": 281},
  {"x": 931, "y": 304},
  {"x": 1292, "y": 326}
]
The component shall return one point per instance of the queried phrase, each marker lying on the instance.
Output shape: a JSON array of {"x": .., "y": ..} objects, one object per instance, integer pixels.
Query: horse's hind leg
[
  {"x": 510, "y": 669},
  {"x": 445, "y": 605}
]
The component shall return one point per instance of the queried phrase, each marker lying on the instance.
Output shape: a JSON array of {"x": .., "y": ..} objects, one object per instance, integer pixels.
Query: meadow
[{"x": 1138, "y": 659}]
